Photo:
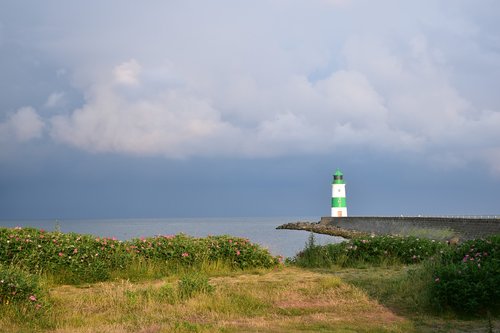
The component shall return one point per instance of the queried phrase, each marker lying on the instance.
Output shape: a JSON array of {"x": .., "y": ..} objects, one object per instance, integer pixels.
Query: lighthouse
[{"x": 339, "y": 208}]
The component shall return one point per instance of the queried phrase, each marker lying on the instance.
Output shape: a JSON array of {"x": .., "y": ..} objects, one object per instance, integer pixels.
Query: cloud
[
  {"x": 55, "y": 99},
  {"x": 338, "y": 111},
  {"x": 387, "y": 100},
  {"x": 24, "y": 125},
  {"x": 128, "y": 72},
  {"x": 209, "y": 81},
  {"x": 171, "y": 123}
]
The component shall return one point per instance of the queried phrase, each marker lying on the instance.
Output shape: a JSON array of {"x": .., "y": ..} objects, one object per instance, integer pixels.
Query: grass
[
  {"x": 400, "y": 289},
  {"x": 287, "y": 299}
]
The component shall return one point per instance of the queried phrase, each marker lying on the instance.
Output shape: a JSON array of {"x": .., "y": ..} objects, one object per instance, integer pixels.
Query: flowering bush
[
  {"x": 77, "y": 258},
  {"x": 238, "y": 252},
  {"x": 373, "y": 250},
  {"x": 468, "y": 279},
  {"x": 19, "y": 288}
]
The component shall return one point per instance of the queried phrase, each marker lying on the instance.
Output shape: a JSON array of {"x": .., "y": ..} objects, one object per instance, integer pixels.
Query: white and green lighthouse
[{"x": 339, "y": 208}]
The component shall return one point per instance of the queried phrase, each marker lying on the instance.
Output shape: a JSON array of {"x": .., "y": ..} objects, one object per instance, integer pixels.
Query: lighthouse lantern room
[{"x": 339, "y": 208}]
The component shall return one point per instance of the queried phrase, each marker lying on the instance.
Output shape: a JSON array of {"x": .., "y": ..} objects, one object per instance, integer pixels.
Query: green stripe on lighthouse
[{"x": 338, "y": 202}]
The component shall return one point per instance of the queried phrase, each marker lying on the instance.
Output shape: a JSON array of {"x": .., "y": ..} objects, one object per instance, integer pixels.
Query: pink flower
[
  {"x": 75, "y": 250},
  {"x": 185, "y": 254},
  {"x": 60, "y": 254},
  {"x": 237, "y": 252},
  {"x": 32, "y": 298},
  {"x": 230, "y": 241}
]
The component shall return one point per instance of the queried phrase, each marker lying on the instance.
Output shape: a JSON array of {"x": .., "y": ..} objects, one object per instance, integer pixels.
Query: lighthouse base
[{"x": 339, "y": 211}]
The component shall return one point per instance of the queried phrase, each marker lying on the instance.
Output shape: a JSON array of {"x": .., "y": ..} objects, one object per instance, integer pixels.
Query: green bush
[
  {"x": 75, "y": 258},
  {"x": 20, "y": 288},
  {"x": 190, "y": 251},
  {"x": 467, "y": 280},
  {"x": 369, "y": 250},
  {"x": 192, "y": 284},
  {"x": 71, "y": 257}
]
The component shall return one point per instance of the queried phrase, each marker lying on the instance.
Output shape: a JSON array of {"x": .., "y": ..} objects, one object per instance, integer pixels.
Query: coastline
[{"x": 323, "y": 229}]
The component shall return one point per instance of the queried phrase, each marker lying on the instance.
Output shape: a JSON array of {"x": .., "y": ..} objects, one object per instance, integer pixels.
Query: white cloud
[
  {"x": 55, "y": 99},
  {"x": 171, "y": 123},
  {"x": 306, "y": 79},
  {"x": 384, "y": 100},
  {"x": 301, "y": 117},
  {"x": 128, "y": 72},
  {"x": 25, "y": 124}
]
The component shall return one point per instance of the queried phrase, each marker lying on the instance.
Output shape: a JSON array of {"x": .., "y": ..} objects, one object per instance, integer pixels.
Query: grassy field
[{"x": 285, "y": 299}]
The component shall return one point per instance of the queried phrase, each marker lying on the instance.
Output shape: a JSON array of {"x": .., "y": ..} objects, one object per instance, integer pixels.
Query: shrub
[
  {"x": 20, "y": 288},
  {"x": 190, "y": 251},
  {"x": 314, "y": 256},
  {"x": 75, "y": 258},
  {"x": 371, "y": 250},
  {"x": 72, "y": 257},
  {"x": 468, "y": 278},
  {"x": 192, "y": 284}
]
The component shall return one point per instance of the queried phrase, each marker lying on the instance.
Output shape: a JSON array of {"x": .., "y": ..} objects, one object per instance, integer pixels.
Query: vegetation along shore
[{"x": 67, "y": 282}]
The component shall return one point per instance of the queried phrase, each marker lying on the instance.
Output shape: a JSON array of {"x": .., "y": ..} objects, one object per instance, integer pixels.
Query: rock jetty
[{"x": 318, "y": 228}]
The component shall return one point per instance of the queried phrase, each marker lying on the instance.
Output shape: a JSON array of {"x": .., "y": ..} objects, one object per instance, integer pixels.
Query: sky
[{"x": 180, "y": 108}]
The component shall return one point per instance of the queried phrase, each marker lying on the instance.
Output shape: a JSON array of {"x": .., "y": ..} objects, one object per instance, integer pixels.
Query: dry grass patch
[{"x": 282, "y": 300}]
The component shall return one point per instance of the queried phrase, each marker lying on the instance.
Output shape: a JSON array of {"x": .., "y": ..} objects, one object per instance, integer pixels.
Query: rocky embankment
[{"x": 318, "y": 228}]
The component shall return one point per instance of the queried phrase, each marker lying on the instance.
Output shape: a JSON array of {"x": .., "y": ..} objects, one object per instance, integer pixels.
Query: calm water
[{"x": 259, "y": 230}]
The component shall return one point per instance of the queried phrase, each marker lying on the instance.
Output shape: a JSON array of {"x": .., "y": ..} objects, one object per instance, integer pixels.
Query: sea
[{"x": 260, "y": 230}]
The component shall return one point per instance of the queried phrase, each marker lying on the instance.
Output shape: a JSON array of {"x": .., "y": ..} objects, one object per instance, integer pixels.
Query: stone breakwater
[
  {"x": 442, "y": 228},
  {"x": 319, "y": 228}
]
